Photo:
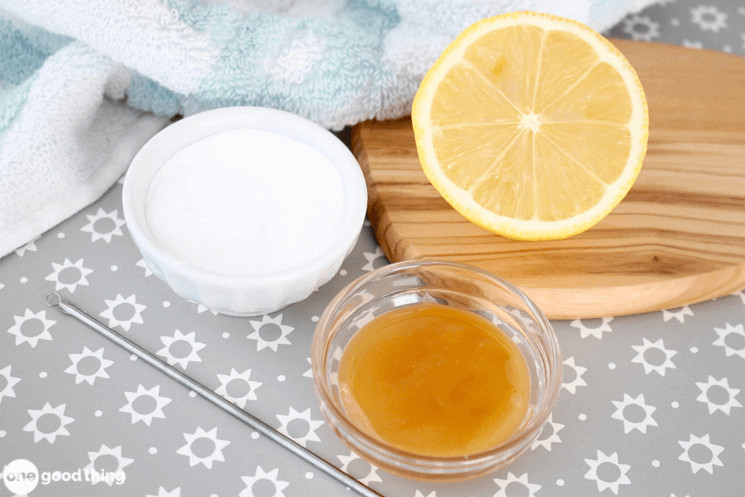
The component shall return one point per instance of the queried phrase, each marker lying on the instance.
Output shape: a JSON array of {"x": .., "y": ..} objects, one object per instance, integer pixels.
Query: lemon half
[{"x": 531, "y": 125}]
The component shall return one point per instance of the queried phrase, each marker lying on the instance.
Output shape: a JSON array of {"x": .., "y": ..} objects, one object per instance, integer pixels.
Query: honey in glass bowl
[
  {"x": 434, "y": 380},
  {"x": 435, "y": 370}
]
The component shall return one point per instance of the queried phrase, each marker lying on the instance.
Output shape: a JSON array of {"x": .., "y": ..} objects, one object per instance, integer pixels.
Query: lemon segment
[
  {"x": 465, "y": 165},
  {"x": 511, "y": 72},
  {"x": 531, "y": 125}
]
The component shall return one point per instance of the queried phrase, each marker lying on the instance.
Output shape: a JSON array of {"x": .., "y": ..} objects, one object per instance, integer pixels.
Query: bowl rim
[
  {"x": 445, "y": 464},
  {"x": 204, "y": 124}
]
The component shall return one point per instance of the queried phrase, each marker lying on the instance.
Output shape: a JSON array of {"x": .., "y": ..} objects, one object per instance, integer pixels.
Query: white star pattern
[
  {"x": 141, "y": 263},
  {"x": 201, "y": 308},
  {"x": 29, "y": 319},
  {"x": 678, "y": 313},
  {"x": 270, "y": 476},
  {"x": 248, "y": 388},
  {"x": 724, "y": 333},
  {"x": 709, "y": 18},
  {"x": 418, "y": 493},
  {"x": 125, "y": 323},
  {"x": 578, "y": 381},
  {"x": 531, "y": 488},
  {"x": 156, "y": 410},
  {"x": 162, "y": 492},
  {"x": 364, "y": 318},
  {"x": 29, "y": 247},
  {"x": 370, "y": 477},
  {"x": 312, "y": 425},
  {"x": 601, "y": 459},
  {"x": 309, "y": 372},
  {"x": 641, "y": 28},
  {"x": 364, "y": 296},
  {"x": 621, "y": 415},
  {"x": 641, "y": 357},
  {"x": 111, "y": 218},
  {"x": 547, "y": 441},
  {"x": 371, "y": 257},
  {"x": 596, "y": 331},
  {"x": 10, "y": 382},
  {"x": 86, "y": 354},
  {"x": 693, "y": 44},
  {"x": 81, "y": 270},
  {"x": 741, "y": 293},
  {"x": 714, "y": 451},
  {"x": 269, "y": 323},
  {"x": 115, "y": 452},
  {"x": 725, "y": 407},
  {"x": 182, "y": 360},
  {"x": 206, "y": 460},
  {"x": 59, "y": 424},
  {"x": 334, "y": 376},
  {"x": 520, "y": 315}
]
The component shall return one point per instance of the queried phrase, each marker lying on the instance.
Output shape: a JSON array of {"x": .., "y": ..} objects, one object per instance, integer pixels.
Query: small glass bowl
[{"x": 460, "y": 286}]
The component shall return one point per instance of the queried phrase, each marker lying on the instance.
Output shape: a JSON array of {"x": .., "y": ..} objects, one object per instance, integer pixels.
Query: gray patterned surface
[{"x": 651, "y": 404}]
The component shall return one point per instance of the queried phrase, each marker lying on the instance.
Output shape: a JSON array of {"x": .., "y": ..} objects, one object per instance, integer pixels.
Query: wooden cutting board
[{"x": 677, "y": 238}]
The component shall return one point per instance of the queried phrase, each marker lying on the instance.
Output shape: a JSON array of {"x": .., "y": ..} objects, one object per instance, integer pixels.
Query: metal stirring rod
[{"x": 55, "y": 300}]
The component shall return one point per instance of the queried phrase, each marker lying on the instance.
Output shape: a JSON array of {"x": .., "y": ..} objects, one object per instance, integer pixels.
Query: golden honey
[{"x": 433, "y": 380}]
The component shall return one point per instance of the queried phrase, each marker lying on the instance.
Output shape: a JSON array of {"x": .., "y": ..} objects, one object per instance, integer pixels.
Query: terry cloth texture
[{"x": 84, "y": 83}]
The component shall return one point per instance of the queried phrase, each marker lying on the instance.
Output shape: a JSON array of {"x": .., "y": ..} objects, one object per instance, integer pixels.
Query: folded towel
[{"x": 84, "y": 83}]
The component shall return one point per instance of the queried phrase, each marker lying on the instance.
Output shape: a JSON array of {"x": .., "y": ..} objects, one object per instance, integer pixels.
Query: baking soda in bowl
[
  {"x": 244, "y": 209},
  {"x": 246, "y": 202}
]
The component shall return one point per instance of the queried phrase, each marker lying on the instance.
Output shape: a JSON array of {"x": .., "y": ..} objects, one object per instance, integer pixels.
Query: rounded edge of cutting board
[{"x": 636, "y": 299}]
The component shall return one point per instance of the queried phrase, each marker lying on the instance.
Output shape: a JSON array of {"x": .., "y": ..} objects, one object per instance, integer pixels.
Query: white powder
[{"x": 246, "y": 201}]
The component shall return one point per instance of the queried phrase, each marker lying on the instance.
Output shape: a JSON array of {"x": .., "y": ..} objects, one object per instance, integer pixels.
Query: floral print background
[
  {"x": 651, "y": 404},
  {"x": 716, "y": 26}
]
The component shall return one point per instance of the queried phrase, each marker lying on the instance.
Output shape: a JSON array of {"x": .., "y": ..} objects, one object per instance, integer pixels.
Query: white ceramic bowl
[{"x": 247, "y": 294}]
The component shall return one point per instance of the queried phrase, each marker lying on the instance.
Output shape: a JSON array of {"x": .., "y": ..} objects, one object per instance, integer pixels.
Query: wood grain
[{"x": 677, "y": 238}]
